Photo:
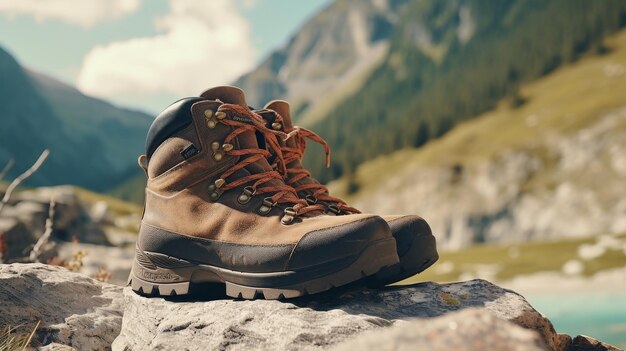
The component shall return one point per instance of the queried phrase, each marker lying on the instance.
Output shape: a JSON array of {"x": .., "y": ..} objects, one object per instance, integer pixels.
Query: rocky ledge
[{"x": 76, "y": 312}]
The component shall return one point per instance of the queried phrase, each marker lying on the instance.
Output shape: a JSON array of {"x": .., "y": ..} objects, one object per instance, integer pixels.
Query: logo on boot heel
[{"x": 160, "y": 276}]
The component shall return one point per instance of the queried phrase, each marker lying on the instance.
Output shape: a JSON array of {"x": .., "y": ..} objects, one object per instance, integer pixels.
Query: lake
[{"x": 601, "y": 315}]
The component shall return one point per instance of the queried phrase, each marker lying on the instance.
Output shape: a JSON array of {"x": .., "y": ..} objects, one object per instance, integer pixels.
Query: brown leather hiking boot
[
  {"x": 216, "y": 211},
  {"x": 416, "y": 244}
]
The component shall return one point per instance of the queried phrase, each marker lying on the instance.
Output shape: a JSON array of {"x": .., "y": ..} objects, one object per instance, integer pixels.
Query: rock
[
  {"x": 33, "y": 215},
  {"x": 71, "y": 218},
  {"x": 16, "y": 239},
  {"x": 78, "y": 313},
  {"x": 559, "y": 186},
  {"x": 465, "y": 330},
  {"x": 587, "y": 343},
  {"x": 75, "y": 311},
  {"x": 315, "y": 321},
  {"x": 56, "y": 347},
  {"x": 99, "y": 212},
  {"x": 115, "y": 260}
]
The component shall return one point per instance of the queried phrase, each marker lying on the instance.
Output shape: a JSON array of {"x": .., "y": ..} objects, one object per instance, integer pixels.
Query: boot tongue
[
  {"x": 226, "y": 94},
  {"x": 282, "y": 108},
  {"x": 234, "y": 96}
]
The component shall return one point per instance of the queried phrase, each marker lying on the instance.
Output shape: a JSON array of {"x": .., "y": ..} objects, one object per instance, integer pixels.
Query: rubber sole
[
  {"x": 176, "y": 281},
  {"x": 421, "y": 255}
]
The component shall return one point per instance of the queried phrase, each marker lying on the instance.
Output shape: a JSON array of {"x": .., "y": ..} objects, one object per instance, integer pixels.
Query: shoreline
[{"x": 546, "y": 283}]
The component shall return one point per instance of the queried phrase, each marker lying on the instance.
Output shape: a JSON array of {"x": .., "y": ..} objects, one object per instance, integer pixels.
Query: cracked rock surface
[
  {"x": 321, "y": 321},
  {"x": 78, "y": 313},
  {"x": 73, "y": 310}
]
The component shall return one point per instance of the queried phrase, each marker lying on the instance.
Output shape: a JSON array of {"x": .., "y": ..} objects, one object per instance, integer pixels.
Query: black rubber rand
[{"x": 171, "y": 271}]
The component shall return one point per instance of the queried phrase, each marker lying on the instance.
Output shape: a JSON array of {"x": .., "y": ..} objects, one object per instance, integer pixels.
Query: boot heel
[{"x": 156, "y": 274}]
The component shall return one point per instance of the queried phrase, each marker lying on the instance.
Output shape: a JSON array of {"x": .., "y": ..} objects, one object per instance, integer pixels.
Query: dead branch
[
  {"x": 36, "y": 251},
  {"x": 17, "y": 181},
  {"x": 6, "y": 169}
]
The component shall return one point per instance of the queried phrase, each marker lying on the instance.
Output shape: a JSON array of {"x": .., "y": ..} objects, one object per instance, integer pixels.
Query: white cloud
[
  {"x": 84, "y": 13},
  {"x": 203, "y": 43},
  {"x": 249, "y": 4}
]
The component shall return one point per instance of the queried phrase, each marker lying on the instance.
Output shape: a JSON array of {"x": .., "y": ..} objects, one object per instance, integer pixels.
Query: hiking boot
[
  {"x": 415, "y": 242},
  {"x": 217, "y": 212}
]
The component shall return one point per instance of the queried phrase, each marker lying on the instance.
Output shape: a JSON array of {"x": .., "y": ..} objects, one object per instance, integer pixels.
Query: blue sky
[{"x": 145, "y": 53}]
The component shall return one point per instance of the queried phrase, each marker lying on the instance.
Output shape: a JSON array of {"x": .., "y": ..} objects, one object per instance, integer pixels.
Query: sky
[{"x": 145, "y": 54}]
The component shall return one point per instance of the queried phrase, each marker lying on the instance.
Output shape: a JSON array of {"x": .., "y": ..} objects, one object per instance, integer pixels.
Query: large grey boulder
[
  {"x": 78, "y": 313},
  {"x": 321, "y": 321},
  {"x": 73, "y": 310}
]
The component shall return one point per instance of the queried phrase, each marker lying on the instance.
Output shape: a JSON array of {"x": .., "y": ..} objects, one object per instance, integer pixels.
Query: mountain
[
  {"x": 332, "y": 52},
  {"x": 93, "y": 143},
  {"x": 375, "y": 76},
  {"x": 551, "y": 168}
]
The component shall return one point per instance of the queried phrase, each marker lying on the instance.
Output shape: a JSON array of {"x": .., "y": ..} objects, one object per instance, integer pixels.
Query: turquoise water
[{"x": 601, "y": 315}]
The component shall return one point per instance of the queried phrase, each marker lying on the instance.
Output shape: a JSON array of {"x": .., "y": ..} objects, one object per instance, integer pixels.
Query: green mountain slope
[
  {"x": 552, "y": 167},
  {"x": 420, "y": 94},
  {"x": 120, "y": 131},
  {"x": 373, "y": 77},
  {"x": 93, "y": 143}
]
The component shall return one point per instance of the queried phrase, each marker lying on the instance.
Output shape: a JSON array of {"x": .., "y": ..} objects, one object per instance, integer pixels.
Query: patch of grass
[
  {"x": 565, "y": 101},
  {"x": 448, "y": 299},
  {"x": 15, "y": 338},
  {"x": 116, "y": 206},
  {"x": 510, "y": 261}
]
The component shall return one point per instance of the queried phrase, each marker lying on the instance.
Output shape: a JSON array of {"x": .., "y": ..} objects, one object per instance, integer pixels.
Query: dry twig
[
  {"x": 36, "y": 251},
  {"x": 17, "y": 181}
]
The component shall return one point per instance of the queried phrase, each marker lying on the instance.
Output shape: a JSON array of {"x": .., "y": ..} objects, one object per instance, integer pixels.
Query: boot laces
[
  {"x": 293, "y": 174},
  {"x": 283, "y": 193}
]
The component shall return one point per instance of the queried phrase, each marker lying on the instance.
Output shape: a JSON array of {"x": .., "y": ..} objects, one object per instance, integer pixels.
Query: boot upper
[{"x": 209, "y": 181}]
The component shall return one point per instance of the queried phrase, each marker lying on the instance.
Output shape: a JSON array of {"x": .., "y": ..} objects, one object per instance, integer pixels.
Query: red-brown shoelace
[
  {"x": 282, "y": 193},
  {"x": 294, "y": 174}
]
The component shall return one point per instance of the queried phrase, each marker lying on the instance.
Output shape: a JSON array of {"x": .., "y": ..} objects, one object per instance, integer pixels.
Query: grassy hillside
[
  {"x": 434, "y": 77},
  {"x": 116, "y": 206},
  {"x": 505, "y": 262},
  {"x": 566, "y": 101}
]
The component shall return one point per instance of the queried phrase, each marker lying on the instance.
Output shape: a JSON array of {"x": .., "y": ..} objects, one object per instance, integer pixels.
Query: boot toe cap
[{"x": 407, "y": 228}]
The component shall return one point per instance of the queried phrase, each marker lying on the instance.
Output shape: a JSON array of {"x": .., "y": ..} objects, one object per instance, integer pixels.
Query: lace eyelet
[
  {"x": 211, "y": 118},
  {"x": 246, "y": 195},
  {"x": 310, "y": 199},
  {"x": 218, "y": 154},
  {"x": 219, "y": 151},
  {"x": 289, "y": 216},
  {"x": 334, "y": 209},
  {"x": 214, "y": 189},
  {"x": 267, "y": 206}
]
